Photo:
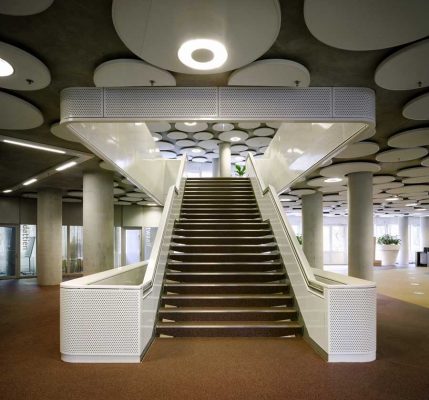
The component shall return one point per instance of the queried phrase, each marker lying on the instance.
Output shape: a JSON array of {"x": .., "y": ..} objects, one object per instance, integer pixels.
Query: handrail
[{"x": 182, "y": 167}]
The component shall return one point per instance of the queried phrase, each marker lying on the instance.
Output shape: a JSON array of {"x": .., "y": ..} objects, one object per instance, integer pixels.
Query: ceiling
[{"x": 73, "y": 37}]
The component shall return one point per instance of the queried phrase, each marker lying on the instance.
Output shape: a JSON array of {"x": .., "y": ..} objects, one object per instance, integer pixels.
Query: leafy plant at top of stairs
[{"x": 240, "y": 169}]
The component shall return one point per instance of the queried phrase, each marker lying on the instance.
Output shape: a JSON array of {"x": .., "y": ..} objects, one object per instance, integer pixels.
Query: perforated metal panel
[
  {"x": 100, "y": 322},
  {"x": 352, "y": 320},
  {"x": 275, "y": 103},
  {"x": 354, "y": 103},
  {"x": 160, "y": 102},
  {"x": 82, "y": 103}
]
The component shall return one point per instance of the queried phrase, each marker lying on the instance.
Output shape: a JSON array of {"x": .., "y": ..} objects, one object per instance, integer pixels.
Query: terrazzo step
[
  {"x": 220, "y": 201},
  {"x": 223, "y": 248},
  {"x": 229, "y": 328},
  {"x": 228, "y": 313},
  {"x": 233, "y": 277},
  {"x": 222, "y": 240},
  {"x": 218, "y": 188},
  {"x": 226, "y": 288},
  {"x": 220, "y": 215},
  {"x": 219, "y": 210},
  {"x": 219, "y": 233},
  {"x": 215, "y": 257},
  {"x": 232, "y": 267},
  {"x": 233, "y": 300},
  {"x": 228, "y": 225}
]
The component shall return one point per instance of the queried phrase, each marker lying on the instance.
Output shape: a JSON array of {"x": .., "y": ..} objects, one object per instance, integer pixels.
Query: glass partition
[
  {"x": 8, "y": 251},
  {"x": 28, "y": 250}
]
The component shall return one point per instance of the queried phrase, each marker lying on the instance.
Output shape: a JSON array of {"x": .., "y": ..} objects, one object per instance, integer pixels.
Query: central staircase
[{"x": 224, "y": 274}]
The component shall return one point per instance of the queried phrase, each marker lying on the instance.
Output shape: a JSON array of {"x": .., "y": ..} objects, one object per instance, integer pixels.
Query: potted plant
[
  {"x": 299, "y": 238},
  {"x": 240, "y": 170},
  {"x": 389, "y": 247}
]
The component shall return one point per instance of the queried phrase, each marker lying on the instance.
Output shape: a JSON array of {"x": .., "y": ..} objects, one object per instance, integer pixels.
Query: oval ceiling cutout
[
  {"x": 367, "y": 24},
  {"x": 29, "y": 73},
  {"x": 24, "y": 7},
  {"x": 129, "y": 72},
  {"x": 406, "y": 69},
  {"x": 417, "y": 108},
  {"x": 360, "y": 149},
  {"x": 18, "y": 114},
  {"x": 343, "y": 169},
  {"x": 413, "y": 172},
  {"x": 191, "y": 126},
  {"x": 158, "y": 126},
  {"x": 399, "y": 155},
  {"x": 274, "y": 72},
  {"x": 411, "y": 138},
  {"x": 156, "y": 30},
  {"x": 63, "y": 132}
]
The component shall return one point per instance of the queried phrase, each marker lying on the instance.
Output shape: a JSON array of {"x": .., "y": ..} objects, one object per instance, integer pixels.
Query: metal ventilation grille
[
  {"x": 100, "y": 322},
  {"x": 354, "y": 103},
  {"x": 352, "y": 321},
  {"x": 160, "y": 102},
  {"x": 82, "y": 103},
  {"x": 275, "y": 103}
]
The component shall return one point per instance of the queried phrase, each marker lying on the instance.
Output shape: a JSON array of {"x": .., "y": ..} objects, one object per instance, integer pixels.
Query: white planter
[{"x": 389, "y": 253}]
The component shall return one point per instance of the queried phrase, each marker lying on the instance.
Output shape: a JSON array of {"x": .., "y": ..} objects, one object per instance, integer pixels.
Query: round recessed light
[
  {"x": 332, "y": 180},
  {"x": 202, "y": 54},
  {"x": 190, "y": 123},
  {"x": 5, "y": 68},
  {"x": 235, "y": 139},
  {"x": 196, "y": 150}
]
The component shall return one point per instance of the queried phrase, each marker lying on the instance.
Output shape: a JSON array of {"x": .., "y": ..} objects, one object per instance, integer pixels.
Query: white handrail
[{"x": 182, "y": 167}]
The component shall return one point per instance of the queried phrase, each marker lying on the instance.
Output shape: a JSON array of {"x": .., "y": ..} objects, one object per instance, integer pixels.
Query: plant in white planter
[{"x": 389, "y": 247}]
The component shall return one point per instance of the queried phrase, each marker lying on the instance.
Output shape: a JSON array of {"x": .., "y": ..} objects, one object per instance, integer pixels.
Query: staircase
[{"x": 224, "y": 274}]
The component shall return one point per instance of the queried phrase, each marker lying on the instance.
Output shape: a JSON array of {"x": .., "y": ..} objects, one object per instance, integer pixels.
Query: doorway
[
  {"x": 131, "y": 245},
  {"x": 8, "y": 250}
]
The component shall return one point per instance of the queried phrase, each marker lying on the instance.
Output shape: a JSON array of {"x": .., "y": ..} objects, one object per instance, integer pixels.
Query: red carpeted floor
[{"x": 30, "y": 366}]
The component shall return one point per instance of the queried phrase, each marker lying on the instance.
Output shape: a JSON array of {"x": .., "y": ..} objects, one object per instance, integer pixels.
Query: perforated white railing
[
  {"x": 338, "y": 311},
  {"x": 110, "y": 316}
]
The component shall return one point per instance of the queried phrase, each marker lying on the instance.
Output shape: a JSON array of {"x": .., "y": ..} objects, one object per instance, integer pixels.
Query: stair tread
[
  {"x": 231, "y": 324},
  {"x": 227, "y": 296},
  {"x": 223, "y": 284},
  {"x": 181, "y": 310},
  {"x": 265, "y": 273}
]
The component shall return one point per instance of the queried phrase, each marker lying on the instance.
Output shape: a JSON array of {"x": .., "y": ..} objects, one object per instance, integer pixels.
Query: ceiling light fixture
[
  {"x": 65, "y": 166},
  {"x": 32, "y": 146},
  {"x": 202, "y": 54},
  {"x": 332, "y": 180},
  {"x": 323, "y": 125},
  {"x": 138, "y": 123},
  {"x": 392, "y": 199},
  {"x": 7, "y": 191},
  {"x": 190, "y": 123},
  {"x": 411, "y": 205},
  {"x": 5, "y": 68},
  {"x": 196, "y": 150},
  {"x": 30, "y": 181},
  {"x": 235, "y": 139},
  {"x": 420, "y": 209}
]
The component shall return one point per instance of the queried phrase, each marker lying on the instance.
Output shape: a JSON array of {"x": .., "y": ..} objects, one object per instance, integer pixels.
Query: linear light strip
[{"x": 33, "y": 146}]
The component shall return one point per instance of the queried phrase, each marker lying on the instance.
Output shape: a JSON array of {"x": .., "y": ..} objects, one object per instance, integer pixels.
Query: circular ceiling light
[
  {"x": 202, "y": 54},
  {"x": 190, "y": 123},
  {"x": 235, "y": 139},
  {"x": 332, "y": 180},
  {"x": 5, "y": 68}
]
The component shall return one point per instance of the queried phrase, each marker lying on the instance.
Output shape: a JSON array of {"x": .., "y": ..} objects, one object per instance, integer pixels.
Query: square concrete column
[
  {"x": 97, "y": 221},
  {"x": 424, "y": 231},
  {"x": 361, "y": 225},
  {"x": 312, "y": 228},
  {"x": 49, "y": 237},
  {"x": 403, "y": 256}
]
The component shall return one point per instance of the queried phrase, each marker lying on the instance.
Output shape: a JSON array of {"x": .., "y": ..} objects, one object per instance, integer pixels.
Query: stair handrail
[{"x": 183, "y": 162}]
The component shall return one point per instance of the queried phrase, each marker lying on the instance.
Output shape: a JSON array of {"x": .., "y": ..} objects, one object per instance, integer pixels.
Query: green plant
[
  {"x": 240, "y": 169},
  {"x": 299, "y": 238},
  {"x": 388, "y": 239}
]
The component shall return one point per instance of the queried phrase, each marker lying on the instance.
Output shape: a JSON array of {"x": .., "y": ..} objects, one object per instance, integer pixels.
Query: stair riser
[
  {"x": 221, "y": 226},
  {"x": 240, "y": 289},
  {"x": 223, "y": 257},
  {"x": 250, "y": 217},
  {"x": 206, "y": 278},
  {"x": 229, "y": 316},
  {"x": 228, "y": 332},
  {"x": 220, "y": 240},
  {"x": 221, "y": 233},
  {"x": 216, "y": 211},
  {"x": 197, "y": 249},
  {"x": 221, "y": 206},
  {"x": 219, "y": 302},
  {"x": 220, "y": 202},
  {"x": 223, "y": 268}
]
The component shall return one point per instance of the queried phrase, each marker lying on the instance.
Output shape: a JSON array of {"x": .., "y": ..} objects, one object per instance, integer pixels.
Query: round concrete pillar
[
  {"x": 215, "y": 166},
  {"x": 403, "y": 256},
  {"x": 360, "y": 226},
  {"x": 424, "y": 231},
  {"x": 312, "y": 228},
  {"x": 49, "y": 237},
  {"x": 97, "y": 221},
  {"x": 225, "y": 159}
]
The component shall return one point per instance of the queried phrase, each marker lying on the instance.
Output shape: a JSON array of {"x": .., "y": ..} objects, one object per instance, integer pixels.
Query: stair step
[
  {"x": 242, "y": 300},
  {"x": 226, "y": 328},
  {"x": 220, "y": 201},
  {"x": 210, "y": 277},
  {"x": 219, "y": 210},
  {"x": 224, "y": 266},
  {"x": 220, "y": 215},
  {"x": 228, "y": 313},
  {"x": 223, "y": 248},
  {"x": 272, "y": 255},
  {"x": 222, "y": 225},
  {"x": 226, "y": 288},
  {"x": 219, "y": 233},
  {"x": 219, "y": 206},
  {"x": 222, "y": 240}
]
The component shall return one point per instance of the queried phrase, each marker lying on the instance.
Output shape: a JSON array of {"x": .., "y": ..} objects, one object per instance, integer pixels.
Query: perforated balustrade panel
[
  {"x": 160, "y": 102},
  {"x": 100, "y": 322},
  {"x": 275, "y": 103},
  {"x": 354, "y": 103},
  {"x": 352, "y": 321},
  {"x": 82, "y": 103}
]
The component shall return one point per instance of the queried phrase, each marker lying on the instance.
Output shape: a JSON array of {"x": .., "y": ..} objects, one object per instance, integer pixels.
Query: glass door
[
  {"x": 132, "y": 245},
  {"x": 8, "y": 251}
]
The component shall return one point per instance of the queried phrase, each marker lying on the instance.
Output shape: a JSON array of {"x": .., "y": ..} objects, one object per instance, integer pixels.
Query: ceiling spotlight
[
  {"x": 420, "y": 209},
  {"x": 332, "y": 180},
  {"x": 235, "y": 139},
  {"x": 202, "y": 54},
  {"x": 30, "y": 181},
  {"x": 65, "y": 166},
  {"x": 392, "y": 199},
  {"x": 196, "y": 150},
  {"x": 411, "y": 205},
  {"x": 7, "y": 191},
  {"x": 138, "y": 123},
  {"x": 5, "y": 68},
  {"x": 190, "y": 123}
]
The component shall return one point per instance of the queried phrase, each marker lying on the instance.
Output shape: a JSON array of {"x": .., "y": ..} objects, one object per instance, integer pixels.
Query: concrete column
[
  {"x": 312, "y": 228},
  {"x": 97, "y": 221},
  {"x": 215, "y": 166},
  {"x": 403, "y": 235},
  {"x": 49, "y": 237},
  {"x": 361, "y": 229},
  {"x": 424, "y": 232},
  {"x": 225, "y": 159}
]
